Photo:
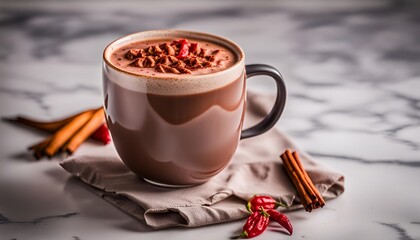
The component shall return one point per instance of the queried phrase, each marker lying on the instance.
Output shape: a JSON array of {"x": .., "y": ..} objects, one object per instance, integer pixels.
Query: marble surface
[{"x": 353, "y": 74}]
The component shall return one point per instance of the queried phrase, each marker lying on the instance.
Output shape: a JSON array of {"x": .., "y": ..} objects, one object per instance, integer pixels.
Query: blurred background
[{"x": 352, "y": 69}]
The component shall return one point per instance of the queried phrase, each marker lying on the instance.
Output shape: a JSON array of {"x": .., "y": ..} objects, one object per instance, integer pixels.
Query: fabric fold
[{"x": 254, "y": 169}]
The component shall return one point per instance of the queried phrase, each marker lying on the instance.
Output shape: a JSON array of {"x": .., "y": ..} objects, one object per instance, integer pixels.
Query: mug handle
[{"x": 270, "y": 120}]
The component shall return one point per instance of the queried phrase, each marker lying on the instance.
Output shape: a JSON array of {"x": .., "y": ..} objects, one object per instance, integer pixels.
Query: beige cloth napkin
[{"x": 255, "y": 169}]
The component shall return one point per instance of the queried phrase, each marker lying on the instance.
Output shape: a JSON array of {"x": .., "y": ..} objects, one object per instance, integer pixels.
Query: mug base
[{"x": 168, "y": 185}]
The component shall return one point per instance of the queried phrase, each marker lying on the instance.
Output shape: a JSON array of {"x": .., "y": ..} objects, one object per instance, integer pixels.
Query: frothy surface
[
  {"x": 150, "y": 81},
  {"x": 225, "y": 57}
]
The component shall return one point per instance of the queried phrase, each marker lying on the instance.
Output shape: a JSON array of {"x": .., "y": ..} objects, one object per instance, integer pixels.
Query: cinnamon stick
[
  {"x": 66, "y": 132},
  {"x": 304, "y": 198},
  {"x": 301, "y": 175},
  {"x": 96, "y": 120},
  {"x": 39, "y": 148},
  {"x": 311, "y": 184},
  {"x": 42, "y": 125},
  {"x": 307, "y": 192},
  {"x": 66, "y": 135}
]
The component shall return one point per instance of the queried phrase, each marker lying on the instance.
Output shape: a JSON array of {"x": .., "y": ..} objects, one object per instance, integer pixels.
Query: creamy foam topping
[
  {"x": 172, "y": 56},
  {"x": 119, "y": 69}
]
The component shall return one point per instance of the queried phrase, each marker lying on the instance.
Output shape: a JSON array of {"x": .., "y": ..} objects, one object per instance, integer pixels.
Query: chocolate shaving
[
  {"x": 211, "y": 58},
  {"x": 160, "y": 68},
  {"x": 184, "y": 70},
  {"x": 179, "y": 64},
  {"x": 203, "y": 52},
  {"x": 195, "y": 63},
  {"x": 150, "y": 51},
  {"x": 169, "y": 50},
  {"x": 173, "y": 59},
  {"x": 197, "y": 51},
  {"x": 174, "y": 70},
  {"x": 162, "y": 58},
  {"x": 157, "y": 49},
  {"x": 207, "y": 64},
  {"x": 215, "y": 52},
  {"x": 132, "y": 54},
  {"x": 137, "y": 63},
  {"x": 149, "y": 62}
]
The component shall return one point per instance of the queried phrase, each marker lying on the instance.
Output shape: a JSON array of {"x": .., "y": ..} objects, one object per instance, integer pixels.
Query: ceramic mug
[{"x": 181, "y": 131}]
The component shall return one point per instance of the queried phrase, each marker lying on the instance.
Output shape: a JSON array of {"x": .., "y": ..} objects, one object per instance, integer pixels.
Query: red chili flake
[
  {"x": 183, "y": 50},
  {"x": 193, "y": 47},
  {"x": 102, "y": 134}
]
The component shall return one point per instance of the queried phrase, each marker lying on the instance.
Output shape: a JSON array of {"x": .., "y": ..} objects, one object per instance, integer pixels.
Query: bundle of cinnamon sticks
[
  {"x": 308, "y": 194},
  {"x": 67, "y": 134}
]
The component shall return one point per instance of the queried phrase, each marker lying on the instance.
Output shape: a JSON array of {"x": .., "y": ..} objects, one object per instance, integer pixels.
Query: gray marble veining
[
  {"x": 5, "y": 220},
  {"x": 353, "y": 76}
]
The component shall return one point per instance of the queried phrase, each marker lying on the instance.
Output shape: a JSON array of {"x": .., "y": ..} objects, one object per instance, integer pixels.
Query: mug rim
[{"x": 237, "y": 50}]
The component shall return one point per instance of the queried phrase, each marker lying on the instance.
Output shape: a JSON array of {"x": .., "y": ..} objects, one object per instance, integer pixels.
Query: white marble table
[{"x": 353, "y": 73}]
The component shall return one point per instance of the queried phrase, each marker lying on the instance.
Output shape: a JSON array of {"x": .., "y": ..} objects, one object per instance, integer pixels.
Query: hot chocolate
[
  {"x": 175, "y": 103},
  {"x": 187, "y": 137},
  {"x": 183, "y": 127}
]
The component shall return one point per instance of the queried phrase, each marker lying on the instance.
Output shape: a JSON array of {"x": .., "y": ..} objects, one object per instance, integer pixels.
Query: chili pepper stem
[
  {"x": 263, "y": 212},
  {"x": 244, "y": 234},
  {"x": 280, "y": 204},
  {"x": 277, "y": 204},
  {"x": 248, "y": 207}
]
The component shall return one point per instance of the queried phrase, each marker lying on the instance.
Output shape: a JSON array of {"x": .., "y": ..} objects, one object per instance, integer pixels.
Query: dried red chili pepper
[
  {"x": 266, "y": 202},
  {"x": 183, "y": 50},
  {"x": 256, "y": 224},
  {"x": 282, "y": 219},
  {"x": 193, "y": 47},
  {"x": 102, "y": 134}
]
